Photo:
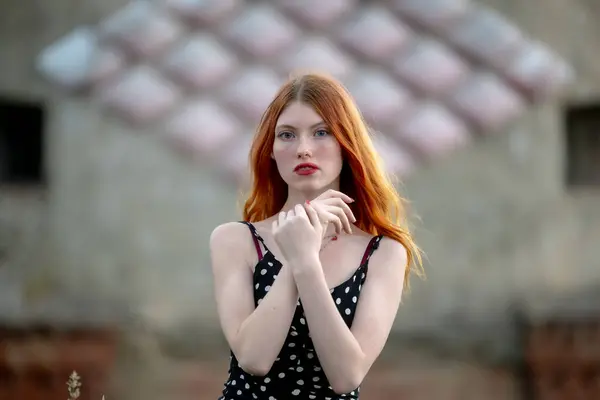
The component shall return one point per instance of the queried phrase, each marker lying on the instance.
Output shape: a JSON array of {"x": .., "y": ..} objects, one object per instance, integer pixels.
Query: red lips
[
  {"x": 305, "y": 166},
  {"x": 306, "y": 169}
]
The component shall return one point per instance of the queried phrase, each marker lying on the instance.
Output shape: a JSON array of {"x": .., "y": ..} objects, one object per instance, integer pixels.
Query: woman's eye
[
  {"x": 321, "y": 132},
  {"x": 285, "y": 135}
]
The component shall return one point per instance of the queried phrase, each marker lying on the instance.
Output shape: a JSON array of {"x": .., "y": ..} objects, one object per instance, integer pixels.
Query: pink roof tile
[
  {"x": 140, "y": 95},
  {"x": 380, "y": 98},
  {"x": 188, "y": 127},
  {"x": 487, "y": 102},
  {"x": 252, "y": 90},
  {"x": 261, "y": 31},
  {"x": 141, "y": 28},
  {"x": 318, "y": 53},
  {"x": 375, "y": 33},
  {"x": 487, "y": 36},
  {"x": 427, "y": 74},
  {"x": 204, "y": 13},
  {"x": 431, "y": 68},
  {"x": 80, "y": 61},
  {"x": 435, "y": 15},
  {"x": 538, "y": 72},
  {"x": 201, "y": 63},
  {"x": 433, "y": 131},
  {"x": 317, "y": 13}
]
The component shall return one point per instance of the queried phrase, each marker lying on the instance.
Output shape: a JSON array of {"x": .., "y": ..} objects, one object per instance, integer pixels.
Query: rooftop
[{"x": 430, "y": 76}]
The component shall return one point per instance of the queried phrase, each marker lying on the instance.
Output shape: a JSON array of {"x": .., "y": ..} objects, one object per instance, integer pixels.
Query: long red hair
[{"x": 378, "y": 208}]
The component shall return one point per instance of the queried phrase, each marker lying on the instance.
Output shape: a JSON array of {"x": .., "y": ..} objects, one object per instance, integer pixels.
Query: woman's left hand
[{"x": 298, "y": 234}]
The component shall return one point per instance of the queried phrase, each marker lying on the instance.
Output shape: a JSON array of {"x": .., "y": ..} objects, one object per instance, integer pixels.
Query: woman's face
[{"x": 308, "y": 156}]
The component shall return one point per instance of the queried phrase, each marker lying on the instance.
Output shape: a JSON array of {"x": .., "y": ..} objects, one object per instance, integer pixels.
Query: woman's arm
[
  {"x": 347, "y": 355},
  {"x": 255, "y": 336}
]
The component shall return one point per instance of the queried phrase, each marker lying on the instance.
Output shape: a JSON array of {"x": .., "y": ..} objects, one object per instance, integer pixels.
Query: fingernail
[{"x": 307, "y": 202}]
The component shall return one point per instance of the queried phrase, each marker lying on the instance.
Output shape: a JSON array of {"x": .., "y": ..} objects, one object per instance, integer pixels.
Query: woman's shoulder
[
  {"x": 231, "y": 246},
  {"x": 229, "y": 234},
  {"x": 235, "y": 232}
]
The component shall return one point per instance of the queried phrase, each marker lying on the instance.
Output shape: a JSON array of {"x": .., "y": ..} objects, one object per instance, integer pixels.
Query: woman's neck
[{"x": 299, "y": 197}]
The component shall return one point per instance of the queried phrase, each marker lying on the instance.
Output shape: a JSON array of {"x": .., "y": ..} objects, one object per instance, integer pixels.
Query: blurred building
[{"x": 124, "y": 130}]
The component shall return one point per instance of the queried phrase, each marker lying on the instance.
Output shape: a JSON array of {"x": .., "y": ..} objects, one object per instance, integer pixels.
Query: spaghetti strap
[
  {"x": 296, "y": 366},
  {"x": 256, "y": 238},
  {"x": 371, "y": 247}
]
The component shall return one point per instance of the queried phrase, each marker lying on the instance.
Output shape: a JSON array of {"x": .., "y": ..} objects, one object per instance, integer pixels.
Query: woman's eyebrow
[{"x": 293, "y": 127}]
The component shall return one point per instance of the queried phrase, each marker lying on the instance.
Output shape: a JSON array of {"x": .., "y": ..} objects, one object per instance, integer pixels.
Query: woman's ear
[{"x": 272, "y": 156}]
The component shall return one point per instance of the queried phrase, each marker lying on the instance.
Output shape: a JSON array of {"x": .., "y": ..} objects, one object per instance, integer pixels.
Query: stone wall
[{"x": 129, "y": 219}]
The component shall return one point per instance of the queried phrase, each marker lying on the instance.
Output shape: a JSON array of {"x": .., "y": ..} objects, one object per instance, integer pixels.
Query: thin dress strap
[
  {"x": 257, "y": 239},
  {"x": 371, "y": 247}
]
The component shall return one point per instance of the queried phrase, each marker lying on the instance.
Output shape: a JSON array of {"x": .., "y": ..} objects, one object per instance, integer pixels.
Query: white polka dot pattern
[{"x": 296, "y": 372}]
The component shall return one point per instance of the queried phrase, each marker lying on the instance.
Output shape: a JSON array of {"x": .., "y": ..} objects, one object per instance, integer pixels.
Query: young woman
[{"x": 309, "y": 284}]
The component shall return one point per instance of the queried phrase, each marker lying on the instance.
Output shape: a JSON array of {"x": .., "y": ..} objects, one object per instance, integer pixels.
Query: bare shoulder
[
  {"x": 230, "y": 240},
  {"x": 389, "y": 259},
  {"x": 228, "y": 234},
  {"x": 392, "y": 249}
]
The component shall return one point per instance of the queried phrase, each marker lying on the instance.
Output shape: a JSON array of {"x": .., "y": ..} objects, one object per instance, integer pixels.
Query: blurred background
[{"x": 124, "y": 132}]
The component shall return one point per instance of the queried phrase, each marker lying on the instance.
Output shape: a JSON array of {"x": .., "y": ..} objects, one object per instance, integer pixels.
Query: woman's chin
[
  {"x": 317, "y": 186},
  {"x": 308, "y": 186}
]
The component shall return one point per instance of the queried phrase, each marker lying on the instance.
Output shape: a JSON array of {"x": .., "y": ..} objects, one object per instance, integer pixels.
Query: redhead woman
[{"x": 309, "y": 283}]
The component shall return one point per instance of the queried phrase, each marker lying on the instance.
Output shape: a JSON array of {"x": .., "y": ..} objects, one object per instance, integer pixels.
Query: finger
[
  {"x": 290, "y": 214},
  {"x": 282, "y": 216},
  {"x": 342, "y": 217},
  {"x": 335, "y": 194},
  {"x": 328, "y": 218},
  {"x": 340, "y": 203},
  {"x": 347, "y": 210},
  {"x": 312, "y": 215},
  {"x": 318, "y": 206},
  {"x": 300, "y": 211},
  {"x": 335, "y": 220}
]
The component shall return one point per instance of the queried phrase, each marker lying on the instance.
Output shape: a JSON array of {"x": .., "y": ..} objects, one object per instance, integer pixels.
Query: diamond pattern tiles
[
  {"x": 428, "y": 75},
  {"x": 222, "y": 127},
  {"x": 80, "y": 61},
  {"x": 141, "y": 29},
  {"x": 203, "y": 13},
  {"x": 261, "y": 31},
  {"x": 430, "y": 67},
  {"x": 200, "y": 62},
  {"x": 139, "y": 95},
  {"x": 318, "y": 13},
  {"x": 318, "y": 53},
  {"x": 375, "y": 33}
]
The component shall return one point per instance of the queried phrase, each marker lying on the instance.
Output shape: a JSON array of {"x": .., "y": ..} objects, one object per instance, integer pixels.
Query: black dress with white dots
[{"x": 296, "y": 373}]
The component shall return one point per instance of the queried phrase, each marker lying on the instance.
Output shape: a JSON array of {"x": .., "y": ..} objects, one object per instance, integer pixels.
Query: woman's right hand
[{"x": 332, "y": 208}]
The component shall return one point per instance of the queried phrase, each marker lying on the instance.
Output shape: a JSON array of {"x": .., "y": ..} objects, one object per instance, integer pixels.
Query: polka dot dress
[{"x": 296, "y": 373}]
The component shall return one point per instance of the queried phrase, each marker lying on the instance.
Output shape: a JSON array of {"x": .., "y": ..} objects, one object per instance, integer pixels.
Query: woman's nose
[{"x": 304, "y": 149}]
